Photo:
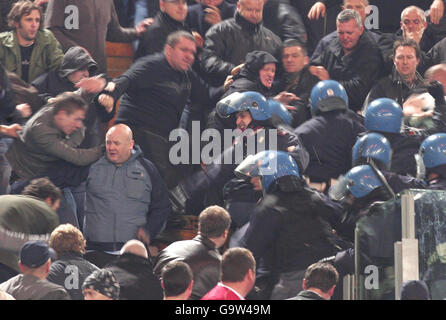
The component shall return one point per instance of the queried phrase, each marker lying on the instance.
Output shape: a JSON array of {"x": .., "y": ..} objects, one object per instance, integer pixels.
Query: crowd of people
[{"x": 327, "y": 114}]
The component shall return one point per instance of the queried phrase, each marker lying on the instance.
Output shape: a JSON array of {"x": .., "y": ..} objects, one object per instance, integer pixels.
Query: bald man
[
  {"x": 126, "y": 196},
  {"x": 134, "y": 273}
]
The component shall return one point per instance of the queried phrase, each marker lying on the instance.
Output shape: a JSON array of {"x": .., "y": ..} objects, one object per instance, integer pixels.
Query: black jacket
[
  {"x": 393, "y": 87},
  {"x": 248, "y": 79},
  {"x": 329, "y": 139},
  {"x": 7, "y": 98},
  {"x": 155, "y": 37},
  {"x": 291, "y": 220},
  {"x": 357, "y": 72},
  {"x": 284, "y": 20},
  {"x": 135, "y": 277},
  {"x": 201, "y": 256},
  {"x": 307, "y": 295},
  {"x": 301, "y": 85},
  {"x": 70, "y": 271},
  {"x": 155, "y": 94},
  {"x": 227, "y": 43}
]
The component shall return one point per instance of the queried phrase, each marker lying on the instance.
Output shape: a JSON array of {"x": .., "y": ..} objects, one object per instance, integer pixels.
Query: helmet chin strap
[{"x": 380, "y": 176}]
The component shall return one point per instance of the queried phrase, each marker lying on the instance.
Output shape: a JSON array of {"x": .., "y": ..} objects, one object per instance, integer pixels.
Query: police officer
[
  {"x": 256, "y": 119},
  {"x": 289, "y": 224},
  {"x": 385, "y": 116},
  {"x": 330, "y": 135}
]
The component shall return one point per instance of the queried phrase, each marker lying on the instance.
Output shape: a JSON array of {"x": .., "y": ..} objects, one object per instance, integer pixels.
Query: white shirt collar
[{"x": 238, "y": 295}]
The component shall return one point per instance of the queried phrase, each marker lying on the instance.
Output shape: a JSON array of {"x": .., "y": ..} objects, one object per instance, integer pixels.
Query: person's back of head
[
  {"x": 321, "y": 276},
  {"x": 135, "y": 247},
  {"x": 101, "y": 285},
  {"x": 45, "y": 190},
  {"x": 66, "y": 238},
  {"x": 177, "y": 280},
  {"x": 35, "y": 259},
  {"x": 68, "y": 102},
  {"x": 415, "y": 290},
  {"x": 214, "y": 223},
  {"x": 238, "y": 269}
]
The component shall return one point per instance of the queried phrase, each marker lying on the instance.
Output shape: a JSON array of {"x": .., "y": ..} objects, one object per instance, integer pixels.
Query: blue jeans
[
  {"x": 67, "y": 209},
  {"x": 141, "y": 12}
]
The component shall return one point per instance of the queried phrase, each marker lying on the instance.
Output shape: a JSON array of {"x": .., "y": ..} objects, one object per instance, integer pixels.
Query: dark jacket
[
  {"x": 357, "y": 72},
  {"x": 155, "y": 94},
  {"x": 156, "y": 35},
  {"x": 325, "y": 41},
  {"x": 393, "y": 87},
  {"x": 29, "y": 287},
  {"x": 227, "y": 43},
  {"x": 307, "y": 295},
  {"x": 135, "y": 277},
  {"x": 70, "y": 271},
  {"x": 196, "y": 15},
  {"x": 437, "y": 54},
  {"x": 201, "y": 256},
  {"x": 291, "y": 221},
  {"x": 248, "y": 79},
  {"x": 7, "y": 97},
  {"x": 329, "y": 139},
  {"x": 301, "y": 85},
  {"x": 41, "y": 144},
  {"x": 284, "y": 20}
]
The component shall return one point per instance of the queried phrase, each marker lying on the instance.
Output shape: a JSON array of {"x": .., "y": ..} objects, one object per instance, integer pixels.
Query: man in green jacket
[
  {"x": 28, "y": 50},
  {"x": 29, "y": 216}
]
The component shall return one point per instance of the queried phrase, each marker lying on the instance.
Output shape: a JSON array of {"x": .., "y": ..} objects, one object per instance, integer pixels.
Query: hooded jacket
[{"x": 248, "y": 79}]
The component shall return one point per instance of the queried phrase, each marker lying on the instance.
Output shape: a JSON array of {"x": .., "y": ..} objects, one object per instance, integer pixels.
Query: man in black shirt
[{"x": 155, "y": 90}]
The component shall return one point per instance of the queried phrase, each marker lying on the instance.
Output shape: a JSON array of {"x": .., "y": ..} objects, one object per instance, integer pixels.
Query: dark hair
[
  {"x": 68, "y": 102},
  {"x": 236, "y": 263},
  {"x": 176, "y": 36},
  {"x": 407, "y": 43},
  {"x": 213, "y": 221},
  {"x": 322, "y": 276},
  {"x": 415, "y": 290},
  {"x": 22, "y": 8},
  {"x": 294, "y": 43},
  {"x": 42, "y": 188},
  {"x": 176, "y": 277}
]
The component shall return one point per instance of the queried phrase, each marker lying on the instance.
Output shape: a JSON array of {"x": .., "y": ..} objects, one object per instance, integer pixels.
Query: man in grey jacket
[{"x": 126, "y": 197}]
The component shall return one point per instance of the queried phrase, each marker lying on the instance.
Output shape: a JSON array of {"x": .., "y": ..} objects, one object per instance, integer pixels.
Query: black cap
[{"x": 35, "y": 253}]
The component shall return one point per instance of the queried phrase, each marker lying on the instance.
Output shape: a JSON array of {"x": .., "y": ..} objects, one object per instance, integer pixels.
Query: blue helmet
[
  {"x": 269, "y": 165},
  {"x": 328, "y": 95},
  {"x": 250, "y": 101},
  {"x": 372, "y": 145},
  {"x": 384, "y": 115},
  {"x": 361, "y": 180},
  {"x": 433, "y": 150},
  {"x": 279, "y": 112}
]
